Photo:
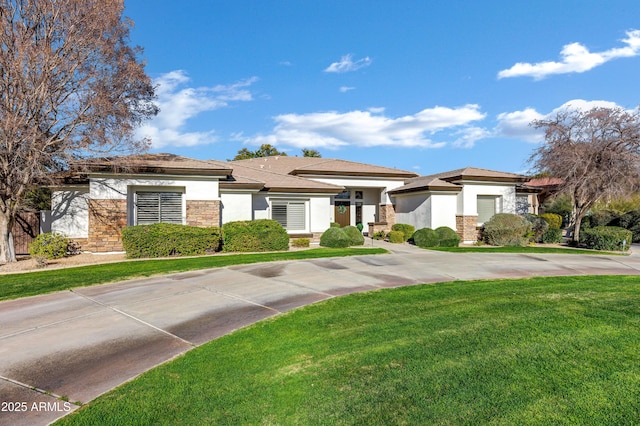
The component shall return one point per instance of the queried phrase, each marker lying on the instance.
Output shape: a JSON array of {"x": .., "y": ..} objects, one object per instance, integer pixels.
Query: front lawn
[
  {"x": 13, "y": 286},
  {"x": 561, "y": 350}
]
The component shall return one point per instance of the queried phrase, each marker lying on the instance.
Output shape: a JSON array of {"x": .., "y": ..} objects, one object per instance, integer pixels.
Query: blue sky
[{"x": 426, "y": 86}]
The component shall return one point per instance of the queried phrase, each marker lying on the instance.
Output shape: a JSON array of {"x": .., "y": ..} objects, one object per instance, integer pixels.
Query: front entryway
[{"x": 343, "y": 213}]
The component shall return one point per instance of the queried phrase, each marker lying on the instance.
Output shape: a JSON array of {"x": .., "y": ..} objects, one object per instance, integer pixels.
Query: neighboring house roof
[
  {"x": 447, "y": 181},
  {"x": 301, "y": 166},
  {"x": 155, "y": 163},
  {"x": 544, "y": 182},
  {"x": 273, "y": 181}
]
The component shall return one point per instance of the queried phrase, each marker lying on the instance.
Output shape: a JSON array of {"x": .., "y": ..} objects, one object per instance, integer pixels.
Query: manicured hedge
[
  {"x": 50, "y": 245},
  {"x": 630, "y": 221},
  {"x": 406, "y": 229},
  {"x": 425, "y": 237},
  {"x": 506, "y": 229},
  {"x": 254, "y": 236},
  {"x": 447, "y": 237},
  {"x": 355, "y": 236},
  {"x": 606, "y": 238},
  {"x": 335, "y": 238},
  {"x": 167, "y": 239},
  {"x": 396, "y": 237},
  {"x": 554, "y": 220},
  {"x": 552, "y": 236}
]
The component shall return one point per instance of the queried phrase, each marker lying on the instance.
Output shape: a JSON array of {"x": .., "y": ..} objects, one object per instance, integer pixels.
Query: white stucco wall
[
  {"x": 443, "y": 210},
  {"x": 69, "y": 212},
  {"x": 363, "y": 182},
  {"x": 236, "y": 206},
  {"x": 468, "y": 198},
  {"x": 110, "y": 188},
  {"x": 427, "y": 209},
  {"x": 318, "y": 209}
]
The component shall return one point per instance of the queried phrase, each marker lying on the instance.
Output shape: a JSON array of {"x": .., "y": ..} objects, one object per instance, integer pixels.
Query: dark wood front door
[{"x": 343, "y": 213}]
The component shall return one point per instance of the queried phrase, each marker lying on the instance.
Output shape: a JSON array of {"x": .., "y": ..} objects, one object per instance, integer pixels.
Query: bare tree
[
  {"x": 70, "y": 87},
  {"x": 596, "y": 154}
]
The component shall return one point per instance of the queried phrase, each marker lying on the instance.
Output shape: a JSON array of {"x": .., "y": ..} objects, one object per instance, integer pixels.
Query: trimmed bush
[
  {"x": 405, "y": 228},
  {"x": 506, "y": 229},
  {"x": 396, "y": 237},
  {"x": 50, "y": 245},
  {"x": 169, "y": 239},
  {"x": 554, "y": 220},
  {"x": 355, "y": 236},
  {"x": 360, "y": 226},
  {"x": 611, "y": 238},
  {"x": 538, "y": 227},
  {"x": 334, "y": 225},
  {"x": 552, "y": 236},
  {"x": 301, "y": 242},
  {"x": 334, "y": 238},
  {"x": 425, "y": 237},
  {"x": 447, "y": 237},
  {"x": 630, "y": 221},
  {"x": 378, "y": 235},
  {"x": 254, "y": 236}
]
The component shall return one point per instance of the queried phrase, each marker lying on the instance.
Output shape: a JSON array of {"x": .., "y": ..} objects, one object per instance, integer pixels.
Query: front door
[{"x": 343, "y": 213}]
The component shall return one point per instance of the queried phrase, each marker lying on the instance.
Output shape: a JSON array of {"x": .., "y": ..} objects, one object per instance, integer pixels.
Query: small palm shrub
[
  {"x": 355, "y": 236},
  {"x": 610, "y": 238},
  {"x": 554, "y": 220},
  {"x": 169, "y": 239},
  {"x": 425, "y": 237},
  {"x": 254, "y": 235},
  {"x": 506, "y": 229},
  {"x": 396, "y": 237},
  {"x": 406, "y": 229},
  {"x": 447, "y": 237},
  {"x": 47, "y": 246},
  {"x": 335, "y": 238}
]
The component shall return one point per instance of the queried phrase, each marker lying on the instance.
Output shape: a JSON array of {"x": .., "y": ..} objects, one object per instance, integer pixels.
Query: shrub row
[
  {"x": 610, "y": 238},
  {"x": 254, "y": 236},
  {"x": 440, "y": 237},
  {"x": 335, "y": 237},
  {"x": 167, "y": 239},
  {"x": 505, "y": 229}
]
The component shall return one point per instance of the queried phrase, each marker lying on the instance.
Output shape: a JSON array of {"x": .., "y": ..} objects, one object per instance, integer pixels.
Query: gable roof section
[
  {"x": 155, "y": 163},
  {"x": 301, "y": 166},
  {"x": 278, "y": 182},
  {"x": 450, "y": 181}
]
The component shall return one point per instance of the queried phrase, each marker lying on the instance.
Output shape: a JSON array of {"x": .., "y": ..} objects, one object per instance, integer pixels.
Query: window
[
  {"x": 155, "y": 207},
  {"x": 290, "y": 214},
  {"x": 487, "y": 207}
]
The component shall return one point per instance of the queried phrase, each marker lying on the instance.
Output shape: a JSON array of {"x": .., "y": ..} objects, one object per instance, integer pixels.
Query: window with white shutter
[
  {"x": 156, "y": 207},
  {"x": 487, "y": 207},
  {"x": 290, "y": 214}
]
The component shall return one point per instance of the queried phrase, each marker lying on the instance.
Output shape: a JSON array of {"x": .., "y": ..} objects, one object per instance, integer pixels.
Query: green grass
[
  {"x": 525, "y": 249},
  {"x": 13, "y": 286},
  {"x": 531, "y": 351}
]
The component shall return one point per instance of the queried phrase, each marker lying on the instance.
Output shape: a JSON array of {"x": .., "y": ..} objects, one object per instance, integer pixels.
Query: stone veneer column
[
  {"x": 203, "y": 213},
  {"x": 387, "y": 214},
  {"x": 107, "y": 218},
  {"x": 466, "y": 227}
]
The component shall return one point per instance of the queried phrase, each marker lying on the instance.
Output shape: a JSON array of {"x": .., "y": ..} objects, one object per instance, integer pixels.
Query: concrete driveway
[{"x": 76, "y": 345}]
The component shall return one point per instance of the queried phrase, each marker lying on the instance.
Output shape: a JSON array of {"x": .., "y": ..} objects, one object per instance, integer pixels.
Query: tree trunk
[{"x": 7, "y": 253}]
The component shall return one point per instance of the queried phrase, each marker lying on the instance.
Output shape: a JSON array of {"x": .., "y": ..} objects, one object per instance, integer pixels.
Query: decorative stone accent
[
  {"x": 467, "y": 228},
  {"x": 203, "y": 213},
  {"x": 387, "y": 214},
  {"x": 107, "y": 218},
  {"x": 377, "y": 227}
]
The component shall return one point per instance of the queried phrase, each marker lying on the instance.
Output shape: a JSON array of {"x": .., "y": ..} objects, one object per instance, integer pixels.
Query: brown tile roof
[
  {"x": 274, "y": 181},
  {"x": 154, "y": 163},
  {"x": 426, "y": 183},
  {"x": 301, "y": 166}
]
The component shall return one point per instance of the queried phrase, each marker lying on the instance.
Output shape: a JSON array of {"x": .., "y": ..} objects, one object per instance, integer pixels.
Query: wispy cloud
[
  {"x": 178, "y": 104},
  {"x": 575, "y": 58},
  {"x": 369, "y": 128},
  {"x": 345, "y": 89},
  {"x": 347, "y": 64}
]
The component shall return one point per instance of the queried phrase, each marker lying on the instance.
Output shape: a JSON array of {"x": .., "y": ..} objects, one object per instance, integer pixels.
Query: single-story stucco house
[{"x": 98, "y": 198}]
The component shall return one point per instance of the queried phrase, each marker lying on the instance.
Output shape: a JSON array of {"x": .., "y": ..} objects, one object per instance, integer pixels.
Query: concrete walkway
[{"x": 79, "y": 344}]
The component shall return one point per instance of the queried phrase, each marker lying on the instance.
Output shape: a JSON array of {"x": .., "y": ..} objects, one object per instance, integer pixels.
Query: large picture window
[
  {"x": 156, "y": 207},
  {"x": 487, "y": 207},
  {"x": 290, "y": 214}
]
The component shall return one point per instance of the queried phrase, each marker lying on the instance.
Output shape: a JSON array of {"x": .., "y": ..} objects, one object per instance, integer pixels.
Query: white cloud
[
  {"x": 575, "y": 58},
  {"x": 345, "y": 89},
  {"x": 178, "y": 104},
  {"x": 346, "y": 64},
  {"x": 468, "y": 137},
  {"x": 367, "y": 128},
  {"x": 516, "y": 125}
]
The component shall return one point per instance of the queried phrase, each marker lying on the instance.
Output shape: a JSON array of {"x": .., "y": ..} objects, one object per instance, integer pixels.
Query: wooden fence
[{"x": 25, "y": 230}]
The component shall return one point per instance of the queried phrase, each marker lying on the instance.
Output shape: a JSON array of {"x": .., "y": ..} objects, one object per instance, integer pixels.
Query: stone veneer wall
[
  {"x": 203, "y": 213},
  {"x": 467, "y": 228},
  {"x": 107, "y": 218},
  {"x": 387, "y": 214}
]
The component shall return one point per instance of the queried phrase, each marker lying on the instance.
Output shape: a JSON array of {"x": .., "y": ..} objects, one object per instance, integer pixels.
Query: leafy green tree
[
  {"x": 307, "y": 152},
  {"x": 265, "y": 150}
]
